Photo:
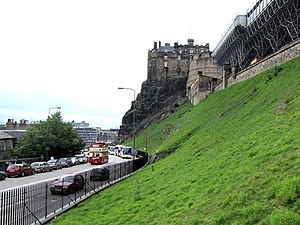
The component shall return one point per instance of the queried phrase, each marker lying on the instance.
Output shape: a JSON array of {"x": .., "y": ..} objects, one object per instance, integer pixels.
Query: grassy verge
[{"x": 235, "y": 160}]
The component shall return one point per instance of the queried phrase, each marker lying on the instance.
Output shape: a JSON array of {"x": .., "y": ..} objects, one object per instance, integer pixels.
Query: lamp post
[
  {"x": 53, "y": 108},
  {"x": 122, "y": 88}
]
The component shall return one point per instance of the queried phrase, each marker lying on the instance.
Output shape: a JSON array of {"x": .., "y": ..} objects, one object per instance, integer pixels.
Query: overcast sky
[{"x": 75, "y": 54}]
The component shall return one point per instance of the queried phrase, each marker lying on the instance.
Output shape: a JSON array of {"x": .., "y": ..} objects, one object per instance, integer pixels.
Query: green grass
[{"x": 235, "y": 159}]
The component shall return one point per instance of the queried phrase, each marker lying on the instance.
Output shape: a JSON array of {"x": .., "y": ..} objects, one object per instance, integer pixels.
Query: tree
[{"x": 52, "y": 137}]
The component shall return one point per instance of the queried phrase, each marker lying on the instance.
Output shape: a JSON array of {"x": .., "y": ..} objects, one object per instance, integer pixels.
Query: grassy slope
[{"x": 237, "y": 161}]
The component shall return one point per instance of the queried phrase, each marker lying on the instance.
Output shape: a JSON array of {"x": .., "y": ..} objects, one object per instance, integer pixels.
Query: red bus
[{"x": 98, "y": 153}]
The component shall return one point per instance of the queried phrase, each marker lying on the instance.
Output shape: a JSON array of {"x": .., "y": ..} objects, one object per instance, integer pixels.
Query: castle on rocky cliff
[
  {"x": 174, "y": 73},
  {"x": 190, "y": 61}
]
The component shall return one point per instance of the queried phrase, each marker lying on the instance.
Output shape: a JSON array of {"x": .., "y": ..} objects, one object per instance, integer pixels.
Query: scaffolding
[{"x": 271, "y": 24}]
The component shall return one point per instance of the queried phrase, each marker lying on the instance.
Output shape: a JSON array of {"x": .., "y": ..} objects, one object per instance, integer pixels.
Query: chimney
[{"x": 191, "y": 42}]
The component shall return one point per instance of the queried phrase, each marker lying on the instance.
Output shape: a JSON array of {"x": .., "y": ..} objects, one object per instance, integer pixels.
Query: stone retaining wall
[{"x": 285, "y": 54}]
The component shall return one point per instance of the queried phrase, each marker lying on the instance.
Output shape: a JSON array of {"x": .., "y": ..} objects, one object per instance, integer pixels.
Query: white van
[
  {"x": 118, "y": 149},
  {"x": 111, "y": 150},
  {"x": 126, "y": 152}
]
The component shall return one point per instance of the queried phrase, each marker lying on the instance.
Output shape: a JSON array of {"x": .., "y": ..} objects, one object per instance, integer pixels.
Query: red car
[
  {"x": 19, "y": 170},
  {"x": 67, "y": 184}
]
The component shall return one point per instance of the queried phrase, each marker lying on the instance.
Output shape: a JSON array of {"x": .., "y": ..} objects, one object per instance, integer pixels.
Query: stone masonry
[{"x": 204, "y": 76}]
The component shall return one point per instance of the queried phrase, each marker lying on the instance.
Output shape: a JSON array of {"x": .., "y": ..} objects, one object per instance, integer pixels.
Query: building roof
[
  {"x": 16, "y": 133},
  {"x": 5, "y": 136},
  {"x": 165, "y": 49}
]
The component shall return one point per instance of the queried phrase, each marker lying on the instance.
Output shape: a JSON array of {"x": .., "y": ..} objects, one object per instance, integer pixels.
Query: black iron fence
[{"x": 35, "y": 204}]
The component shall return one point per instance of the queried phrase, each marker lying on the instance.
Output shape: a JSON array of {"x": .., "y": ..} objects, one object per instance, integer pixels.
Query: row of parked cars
[{"x": 22, "y": 169}]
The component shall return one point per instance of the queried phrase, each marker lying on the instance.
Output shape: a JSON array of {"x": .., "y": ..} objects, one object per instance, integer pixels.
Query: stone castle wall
[
  {"x": 202, "y": 70},
  {"x": 175, "y": 68},
  {"x": 172, "y": 62}
]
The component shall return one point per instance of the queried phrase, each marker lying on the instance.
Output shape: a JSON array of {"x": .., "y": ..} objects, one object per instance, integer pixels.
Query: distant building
[
  {"x": 108, "y": 136},
  {"x": 2, "y": 127},
  {"x": 82, "y": 124},
  {"x": 87, "y": 134},
  {"x": 7, "y": 142},
  {"x": 10, "y": 133},
  {"x": 92, "y": 135}
]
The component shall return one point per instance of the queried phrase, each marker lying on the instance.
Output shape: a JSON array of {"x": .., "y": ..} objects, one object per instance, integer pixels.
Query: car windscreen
[
  {"x": 12, "y": 167},
  {"x": 67, "y": 179}
]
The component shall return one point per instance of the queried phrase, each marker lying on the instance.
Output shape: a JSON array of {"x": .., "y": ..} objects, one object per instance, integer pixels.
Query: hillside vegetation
[{"x": 235, "y": 160}]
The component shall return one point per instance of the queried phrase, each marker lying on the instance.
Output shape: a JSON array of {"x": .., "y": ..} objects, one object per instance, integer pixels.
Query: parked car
[
  {"x": 41, "y": 167},
  {"x": 55, "y": 165},
  {"x": 81, "y": 158},
  {"x": 100, "y": 174},
  {"x": 74, "y": 160},
  {"x": 67, "y": 184},
  {"x": 2, "y": 175},
  {"x": 21, "y": 169},
  {"x": 65, "y": 162}
]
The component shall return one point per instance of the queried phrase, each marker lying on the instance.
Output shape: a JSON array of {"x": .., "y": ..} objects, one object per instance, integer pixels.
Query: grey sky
[{"x": 75, "y": 54}]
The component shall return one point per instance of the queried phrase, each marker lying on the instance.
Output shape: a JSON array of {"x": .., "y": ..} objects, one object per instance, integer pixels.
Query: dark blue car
[{"x": 2, "y": 175}]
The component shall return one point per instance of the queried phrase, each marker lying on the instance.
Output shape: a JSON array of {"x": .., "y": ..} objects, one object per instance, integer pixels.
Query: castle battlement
[{"x": 171, "y": 62}]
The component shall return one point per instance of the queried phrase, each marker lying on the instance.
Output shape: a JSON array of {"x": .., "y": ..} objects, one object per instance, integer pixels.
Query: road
[{"x": 11, "y": 183}]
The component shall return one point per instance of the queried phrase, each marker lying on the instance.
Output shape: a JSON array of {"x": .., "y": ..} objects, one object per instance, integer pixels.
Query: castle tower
[{"x": 171, "y": 62}]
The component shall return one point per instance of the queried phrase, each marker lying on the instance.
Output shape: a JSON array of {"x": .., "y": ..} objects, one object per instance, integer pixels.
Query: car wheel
[
  {"x": 22, "y": 174},
  {"x": 2, "y": 177},
  {"x": 32, "y": 173}
]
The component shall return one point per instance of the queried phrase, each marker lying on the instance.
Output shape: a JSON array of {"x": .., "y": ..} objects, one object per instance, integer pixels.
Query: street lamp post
[
  {"x": 58, "y": 107},
  {"x": 122, "y": 88}
]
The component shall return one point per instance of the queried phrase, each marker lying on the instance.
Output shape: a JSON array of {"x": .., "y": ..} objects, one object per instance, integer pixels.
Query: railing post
[
  {"x": 24, "y": 204},
  {"x": 115, "y": 172},
  {"x": 62, "y": 198},
  {"x": 85, "y": 184},
  {"x": 2, "y": 209},
  {"x": 46, "y": 200},
  {"x": 75, "y": 191},
  {"x": 121, "y": 170}
]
